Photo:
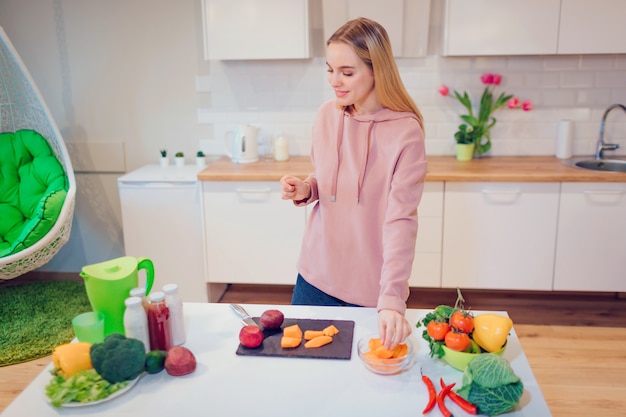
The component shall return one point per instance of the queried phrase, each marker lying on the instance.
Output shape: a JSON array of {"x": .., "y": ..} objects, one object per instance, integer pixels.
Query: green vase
[{"x": 464, "y": 151}]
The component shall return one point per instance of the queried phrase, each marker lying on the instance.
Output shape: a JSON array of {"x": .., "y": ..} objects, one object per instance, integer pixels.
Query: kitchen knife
[{"x": 246, "y": 320}]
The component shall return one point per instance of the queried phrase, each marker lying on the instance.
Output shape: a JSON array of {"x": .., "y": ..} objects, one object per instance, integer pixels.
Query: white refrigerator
[{"x": 161, "y": 218}]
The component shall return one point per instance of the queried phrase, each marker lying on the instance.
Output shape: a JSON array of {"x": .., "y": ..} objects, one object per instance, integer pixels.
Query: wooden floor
[
  {"x": 575, "y": 343},
  {"x": 524, "y": 307}
]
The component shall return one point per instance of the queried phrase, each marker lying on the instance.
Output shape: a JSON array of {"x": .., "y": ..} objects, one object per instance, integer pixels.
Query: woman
[{"x": 369, "y": 166}]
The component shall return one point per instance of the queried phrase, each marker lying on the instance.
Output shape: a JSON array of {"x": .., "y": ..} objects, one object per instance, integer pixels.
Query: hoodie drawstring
[
  {"x": 364, "y": 161},
  {"x": 333, "y": 190}
]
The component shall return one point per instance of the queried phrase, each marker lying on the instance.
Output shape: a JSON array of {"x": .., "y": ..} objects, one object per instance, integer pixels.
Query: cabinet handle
[
  {"x": 501, "y": 196},
  {"x": 488, "y": 191},
  {"x": 603, "y": 192},
  {"x": 266, "y": 190},
  {"x": 253, "y": 195}
]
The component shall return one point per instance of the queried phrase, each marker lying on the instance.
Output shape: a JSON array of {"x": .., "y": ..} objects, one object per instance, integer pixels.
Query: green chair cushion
[{"x": 33, "y": 187}]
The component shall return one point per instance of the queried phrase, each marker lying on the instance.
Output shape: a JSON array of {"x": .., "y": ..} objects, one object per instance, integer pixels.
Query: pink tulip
[
  {"x": 444, "y": 90},
  {"x": 496, "y": 79},
  {"x": 487, "y": 78},
  {"x": 527, "y": 105},
  {"x": 513, "y": 103}
]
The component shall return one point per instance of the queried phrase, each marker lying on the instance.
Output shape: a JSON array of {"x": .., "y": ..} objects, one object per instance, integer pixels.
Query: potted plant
[
  {"x": 476, "y": 130},
  {"x": 200, "y": 159},
  {"x": 180, "y": 159},
  {"x": 164, "y": 160}
]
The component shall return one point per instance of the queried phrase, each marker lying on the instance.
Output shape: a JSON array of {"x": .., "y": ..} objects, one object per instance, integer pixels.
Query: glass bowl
[{"x": 381, "y": 366}]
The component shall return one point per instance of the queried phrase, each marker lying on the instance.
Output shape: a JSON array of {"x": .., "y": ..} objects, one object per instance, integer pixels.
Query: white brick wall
[{"x": 282, "y": 96}]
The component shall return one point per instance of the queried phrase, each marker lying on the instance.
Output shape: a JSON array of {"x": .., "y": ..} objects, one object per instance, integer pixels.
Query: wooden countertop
[{"x": 440, "y": 168}]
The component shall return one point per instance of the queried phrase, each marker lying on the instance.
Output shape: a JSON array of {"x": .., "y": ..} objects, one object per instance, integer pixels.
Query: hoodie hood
[{"x": 370, "y": 120}]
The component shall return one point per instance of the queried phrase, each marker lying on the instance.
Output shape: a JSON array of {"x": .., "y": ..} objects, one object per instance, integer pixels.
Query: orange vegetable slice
[
  {"x": 287, "y": 342},
  {"x": 374, "y": 343},
  {"x": 318, "y": 341},
  {"x": 312, "y": 334},
  {"x": 383, "y": 353},
  {"x": 330, "y": 330},
  {"x": 293, "y": 331}
]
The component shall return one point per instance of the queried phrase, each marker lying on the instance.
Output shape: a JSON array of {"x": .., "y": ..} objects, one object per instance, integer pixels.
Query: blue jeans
[{"x": 306, "y": 294}]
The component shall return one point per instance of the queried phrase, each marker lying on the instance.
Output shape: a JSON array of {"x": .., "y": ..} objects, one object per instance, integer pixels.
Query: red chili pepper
[
  {"x": 432, "y": 393},
  {"x": 441, "y": 400},
  {"x": 460, "y": 401}
]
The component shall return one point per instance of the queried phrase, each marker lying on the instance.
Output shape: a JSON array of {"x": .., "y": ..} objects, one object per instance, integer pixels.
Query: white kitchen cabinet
[
  {"x": 591, "y": 240},
  {"x": 251, "y": 235},
  {"x": 501, "y": 27},
  {"x": 534, "y": 27},
  {"x": 426, "y": 270},
  {"x": 406, "y": 21},
  {"x": 592, "y": 27},
  {"x": 499, "y": 235},
  {"x": 256, "y": 29}
]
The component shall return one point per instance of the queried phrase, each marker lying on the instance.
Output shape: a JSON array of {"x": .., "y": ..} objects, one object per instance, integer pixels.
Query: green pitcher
[{"x": 108, "y": 284}]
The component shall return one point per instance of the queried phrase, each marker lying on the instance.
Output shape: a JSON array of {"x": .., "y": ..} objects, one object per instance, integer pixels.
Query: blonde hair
[{"x": 371, "y": 43}]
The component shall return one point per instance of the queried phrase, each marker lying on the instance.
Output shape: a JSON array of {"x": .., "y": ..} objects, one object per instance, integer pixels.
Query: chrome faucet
[{"x": 600, "y": 145}]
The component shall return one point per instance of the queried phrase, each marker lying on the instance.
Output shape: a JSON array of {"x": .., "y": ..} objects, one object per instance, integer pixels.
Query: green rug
[{"x": 36, "y": 317}]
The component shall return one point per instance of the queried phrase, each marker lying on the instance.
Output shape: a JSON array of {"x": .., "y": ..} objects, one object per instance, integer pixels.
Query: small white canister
[
  {"x": 565, "y": 139},
  {"x": 281, "y": 149}
]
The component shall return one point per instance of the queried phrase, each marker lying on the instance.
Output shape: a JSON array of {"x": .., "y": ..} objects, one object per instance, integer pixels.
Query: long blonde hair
[{"x": 371, "y": 43}]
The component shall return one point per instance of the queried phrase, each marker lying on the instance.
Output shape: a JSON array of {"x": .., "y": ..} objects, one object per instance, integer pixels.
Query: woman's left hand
[{"x": 393, "y": 328}]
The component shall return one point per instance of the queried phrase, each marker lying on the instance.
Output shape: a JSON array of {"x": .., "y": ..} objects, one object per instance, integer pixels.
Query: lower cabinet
[
  {"x": 426, "y": 270},
  {"x": 251, "y": 235},
  {"x": 499, "y": 235},
  {"x": 591, "y": 249},
  {"x": 480, "y": 235}
]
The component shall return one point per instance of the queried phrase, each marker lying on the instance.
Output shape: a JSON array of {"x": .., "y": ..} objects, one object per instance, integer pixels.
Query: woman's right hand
[{"x": 294, "y": 188}]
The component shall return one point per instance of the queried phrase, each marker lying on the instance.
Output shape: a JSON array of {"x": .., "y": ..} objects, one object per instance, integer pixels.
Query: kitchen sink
[{"x": 607, "y": 165}]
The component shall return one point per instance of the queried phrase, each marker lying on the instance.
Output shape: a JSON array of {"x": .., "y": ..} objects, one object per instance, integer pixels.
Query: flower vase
[
  {"x": 200, "y": 161},
  {"x": 164, "y": 162},
  {"x": 180, "y": 161},
  {"x": 464, "y": 151}
]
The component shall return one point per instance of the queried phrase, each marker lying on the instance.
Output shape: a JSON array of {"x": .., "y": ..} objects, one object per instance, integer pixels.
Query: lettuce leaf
[{"x": 490, "y": 383}]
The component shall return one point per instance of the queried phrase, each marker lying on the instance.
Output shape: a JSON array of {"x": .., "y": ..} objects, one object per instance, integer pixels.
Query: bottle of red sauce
[{"x": 159, "y": 322}]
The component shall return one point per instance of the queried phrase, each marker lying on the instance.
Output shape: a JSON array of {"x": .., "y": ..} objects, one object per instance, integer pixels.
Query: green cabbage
[{"x": 491, "y": 385}]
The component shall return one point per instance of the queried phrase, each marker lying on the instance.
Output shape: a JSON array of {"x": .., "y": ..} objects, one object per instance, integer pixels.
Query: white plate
[{"x": 116, "y": 394}]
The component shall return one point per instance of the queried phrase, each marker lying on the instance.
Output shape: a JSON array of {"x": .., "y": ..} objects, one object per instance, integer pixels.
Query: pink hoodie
[{"x": 368, "y": 179}]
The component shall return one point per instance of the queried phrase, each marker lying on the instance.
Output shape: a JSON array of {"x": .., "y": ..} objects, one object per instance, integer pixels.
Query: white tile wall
[{"x": 282, "y": 96}]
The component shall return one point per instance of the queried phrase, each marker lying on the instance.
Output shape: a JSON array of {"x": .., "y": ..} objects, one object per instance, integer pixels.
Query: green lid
[{"x": 112, "y": 270}]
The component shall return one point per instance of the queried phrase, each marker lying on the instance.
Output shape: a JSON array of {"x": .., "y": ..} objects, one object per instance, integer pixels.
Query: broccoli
[{"x": 118, "y": 358}]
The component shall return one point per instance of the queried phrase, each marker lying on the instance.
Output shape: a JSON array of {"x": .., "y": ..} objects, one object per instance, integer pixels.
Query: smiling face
[{"x": 351, "y": 78}]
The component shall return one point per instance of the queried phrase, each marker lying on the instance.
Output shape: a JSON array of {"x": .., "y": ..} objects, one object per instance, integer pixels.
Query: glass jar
[
  {"x": 136, "y": 322},
  {"x": 159, "y": 322},
  {"x": 177, "y": 320}
]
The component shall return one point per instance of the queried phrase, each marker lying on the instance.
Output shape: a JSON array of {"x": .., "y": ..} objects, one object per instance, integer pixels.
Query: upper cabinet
[
  {"x": 406, "y": 21},
  {"x": 256, "y": 29},
  {"x": 533, "y": 27},
  {"x": 592, "y": 27}
]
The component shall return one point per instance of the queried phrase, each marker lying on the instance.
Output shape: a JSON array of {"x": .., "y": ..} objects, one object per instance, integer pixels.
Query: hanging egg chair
[{"x": 37, "y": 184}]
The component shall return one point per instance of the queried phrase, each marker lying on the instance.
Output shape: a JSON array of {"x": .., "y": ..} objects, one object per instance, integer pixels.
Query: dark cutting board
[{"x": 339, "y": 348}]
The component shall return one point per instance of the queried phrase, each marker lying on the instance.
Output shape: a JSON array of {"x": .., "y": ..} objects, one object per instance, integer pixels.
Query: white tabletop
[{"x": 226, "y": 384}]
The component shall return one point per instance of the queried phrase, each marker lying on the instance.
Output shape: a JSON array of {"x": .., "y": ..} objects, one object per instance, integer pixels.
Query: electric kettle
[
  {"x": 241, "y": 144},
  {"x": 108, "y": 284}
]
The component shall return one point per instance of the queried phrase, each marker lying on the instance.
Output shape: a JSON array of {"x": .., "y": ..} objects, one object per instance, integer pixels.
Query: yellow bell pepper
[
  {"x": 72, "y": 357},
  {"x": 491, "y": 331}
]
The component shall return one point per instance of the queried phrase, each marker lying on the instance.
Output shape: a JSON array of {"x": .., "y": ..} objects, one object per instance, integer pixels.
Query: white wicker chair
[{"x": 22, "y": 107}]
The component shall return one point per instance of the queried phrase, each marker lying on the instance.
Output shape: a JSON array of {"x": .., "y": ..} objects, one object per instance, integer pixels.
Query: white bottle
[
  {"x": 136, "y": 321},
  {"x": 281, "y": 149},
  {"x": 177, "y": 320},
  {"x": 141, "y": 293}
]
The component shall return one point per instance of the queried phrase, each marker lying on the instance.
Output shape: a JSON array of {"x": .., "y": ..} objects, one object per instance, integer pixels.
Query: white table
[{"x": 225, "y": 384}]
